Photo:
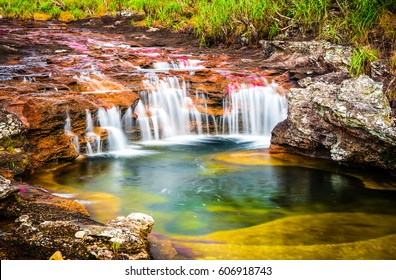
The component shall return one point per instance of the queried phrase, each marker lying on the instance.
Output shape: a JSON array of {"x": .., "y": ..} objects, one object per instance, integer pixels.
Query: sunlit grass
[{"x": 241, "y": 21}]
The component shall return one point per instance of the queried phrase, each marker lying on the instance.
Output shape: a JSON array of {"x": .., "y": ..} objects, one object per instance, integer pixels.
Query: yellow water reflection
[
  {"x": 222, "y": 162},
  {"x": 321, "y": 236},
  {"x": 101, "y": 206}
]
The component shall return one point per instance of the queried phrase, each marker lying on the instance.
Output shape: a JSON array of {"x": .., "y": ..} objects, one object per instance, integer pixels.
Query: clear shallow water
[{"x": 210, "y": 185}]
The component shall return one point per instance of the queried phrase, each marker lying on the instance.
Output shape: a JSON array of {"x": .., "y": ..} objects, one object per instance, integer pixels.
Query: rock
[
  {"x": 128, "y": 237},
  {"x": 336, "y": 56},
  {"x": 57, "y": 256},
  {"x": 80, "y": 234},
  {"x": 6, "y": 189},
  {"x": 152, "y": 29},
  {"x": 10, "y": 125},
  {"x": 348, "y": 122},
  {"x": 47, "y": 224}
]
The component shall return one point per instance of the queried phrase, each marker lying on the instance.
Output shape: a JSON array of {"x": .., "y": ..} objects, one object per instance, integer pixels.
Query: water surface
[{"x": 223, "y": 190}]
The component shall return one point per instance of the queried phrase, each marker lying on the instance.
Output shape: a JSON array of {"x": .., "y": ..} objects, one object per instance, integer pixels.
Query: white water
[
  {"x": 92, "y": 139},
  {"x": 110, "y": 120},
  {"x": 253, "y": 110},
  {"x": 97, "y": 83},
  {"x": 69, "y": 132},
  {"x": 168, "y": 110},
  {"x": 182, "y": 63}
]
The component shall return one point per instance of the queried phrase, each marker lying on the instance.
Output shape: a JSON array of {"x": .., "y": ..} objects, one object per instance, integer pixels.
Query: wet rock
[
  {"x": 45, "y": 224},
  {"x": 348, "y": 122}
]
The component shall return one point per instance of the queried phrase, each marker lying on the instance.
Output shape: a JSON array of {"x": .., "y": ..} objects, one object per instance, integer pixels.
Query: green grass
[
  {"x": 226, "y": 21},
  {"x": 361, "y": 60},
  {"x": 25, "y": 9},
  {"x": 364, "y": 22}
]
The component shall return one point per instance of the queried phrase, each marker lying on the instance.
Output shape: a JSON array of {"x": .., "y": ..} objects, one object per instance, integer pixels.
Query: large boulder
[{"x": 348, "y": 121}]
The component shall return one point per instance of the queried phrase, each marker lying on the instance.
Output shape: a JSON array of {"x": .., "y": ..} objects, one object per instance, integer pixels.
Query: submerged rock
[{"x": 44, "y": 224}]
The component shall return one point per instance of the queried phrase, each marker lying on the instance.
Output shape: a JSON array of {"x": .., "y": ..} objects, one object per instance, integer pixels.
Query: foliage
[
  {"x": 26, "y": 9},
  {"x": 116, "y": 244},
  {"x": 248, "y": 21},
  {"x": 361, "y": 60},
  {"x": 165, "y": 12},
  {"x": 17, "y": 8}
]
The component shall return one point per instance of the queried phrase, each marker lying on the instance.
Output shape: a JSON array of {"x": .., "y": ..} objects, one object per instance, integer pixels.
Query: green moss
[{"x": 8, "y": 144}]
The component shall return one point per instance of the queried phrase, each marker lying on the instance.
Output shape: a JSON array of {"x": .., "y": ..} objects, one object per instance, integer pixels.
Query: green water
[{"x": 191, "y": 192}]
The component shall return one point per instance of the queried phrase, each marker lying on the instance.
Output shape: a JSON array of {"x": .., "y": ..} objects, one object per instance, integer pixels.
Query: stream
[{"x": 193, "y": 152}]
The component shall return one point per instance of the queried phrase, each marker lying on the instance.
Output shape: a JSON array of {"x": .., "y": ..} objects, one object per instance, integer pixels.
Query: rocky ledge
[
  {"x": 38, "y": 225},
  {"x": 330, "y": 114}
]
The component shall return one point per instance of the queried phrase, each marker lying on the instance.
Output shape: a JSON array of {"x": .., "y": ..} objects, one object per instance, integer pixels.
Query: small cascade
[
  {"x": 252, "y": 109},
  {"x": 96, "y": 82},
  {"x": 201, "y": 99},
  {"x": 69, "y": 132},
  {"x": 167, "y": 110},
  {"x": 93, "y": 139},
  {"x": 181, "y": 64},
  {"x": 110, "y": 120},
  {"x": 127, "y": 120}
]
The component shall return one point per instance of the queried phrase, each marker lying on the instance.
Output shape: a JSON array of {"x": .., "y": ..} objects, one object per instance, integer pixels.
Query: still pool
[{"x": 227, "y": 198}]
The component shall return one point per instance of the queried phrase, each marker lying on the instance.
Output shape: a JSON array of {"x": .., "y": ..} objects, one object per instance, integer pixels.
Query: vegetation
[
  {"x": 361, "y": 60},
  {"x": 363, "y": 22}
]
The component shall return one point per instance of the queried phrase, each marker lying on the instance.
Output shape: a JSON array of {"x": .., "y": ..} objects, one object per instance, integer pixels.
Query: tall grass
[
  {"x": 361, "y": 60},
  {"x": 227, "y": 21},
  {"x": 18, "y": 8},
  {"x": 230, "y": 21},
  {"x": 27, "y": 8},
  {"x": 166, "y": 12}
]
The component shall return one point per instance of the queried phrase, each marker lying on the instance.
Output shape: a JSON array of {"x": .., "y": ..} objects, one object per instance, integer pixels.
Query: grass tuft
[{"x": 361, "y": 60}]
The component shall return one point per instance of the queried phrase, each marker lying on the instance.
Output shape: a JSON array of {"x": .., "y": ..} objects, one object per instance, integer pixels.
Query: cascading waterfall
[
  {"x": 69, "y": 132},
  {"x": 167, "y": 110},
  {"x": 92, "y": 138},
  {"x": 110, "y": 120},
  {"x": 252, "y": 109}
]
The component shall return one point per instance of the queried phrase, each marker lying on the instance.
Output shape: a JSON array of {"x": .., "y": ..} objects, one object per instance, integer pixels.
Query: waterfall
[
  {"x": 182, "y": 63},
  {"x": 110, "y": 120},
  {"x": 69, "y": 132},
  {"x": 167, "y": 110},
  {"x": 253, "y": 110},
  {"x": 127, "y": 120},
  {"x": 92, "y": 139}
]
